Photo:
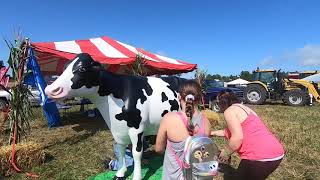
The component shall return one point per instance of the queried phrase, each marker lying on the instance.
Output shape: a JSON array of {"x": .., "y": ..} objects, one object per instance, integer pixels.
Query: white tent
[
  {"x": 237, "y": 82},
  {"x": 315, "y": 78}
]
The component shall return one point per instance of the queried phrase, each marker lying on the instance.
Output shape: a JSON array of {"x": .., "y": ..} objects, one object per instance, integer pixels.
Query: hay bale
[
  {"x": 28, "y": 154},
  {"x": 212, "y": 116}
]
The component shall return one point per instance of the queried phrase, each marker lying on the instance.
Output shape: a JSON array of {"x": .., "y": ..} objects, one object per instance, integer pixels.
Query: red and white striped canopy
[{"x": 117, "y": 56}]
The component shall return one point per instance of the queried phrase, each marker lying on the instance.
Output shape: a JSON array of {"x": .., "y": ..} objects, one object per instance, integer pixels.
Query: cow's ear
[
  {"x": 96, "y": 66},
  {"x": 95, "y": 63}
]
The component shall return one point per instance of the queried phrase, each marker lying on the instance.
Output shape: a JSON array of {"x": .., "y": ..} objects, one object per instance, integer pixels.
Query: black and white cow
[{"x": 132, "y": 106}]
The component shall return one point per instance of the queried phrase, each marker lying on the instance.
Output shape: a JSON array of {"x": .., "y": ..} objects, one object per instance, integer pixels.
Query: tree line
[{"x": 246, "y": 75}]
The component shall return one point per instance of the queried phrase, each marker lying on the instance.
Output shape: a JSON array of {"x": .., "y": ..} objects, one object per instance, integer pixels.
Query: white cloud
[
  {"x": 309, "y": 55},
  {"x": 306, "y": 57},
  {"x": 268, "y": 61}
]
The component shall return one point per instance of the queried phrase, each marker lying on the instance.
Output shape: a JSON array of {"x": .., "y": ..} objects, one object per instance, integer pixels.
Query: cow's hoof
[{"x": 119, "y": 178}]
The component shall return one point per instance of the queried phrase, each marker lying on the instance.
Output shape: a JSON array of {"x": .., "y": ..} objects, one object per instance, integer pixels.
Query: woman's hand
[
  {"x": 217, "y": 133},
  {"x": 224, "y": 157},
  {"x": 213, "y": 133}
]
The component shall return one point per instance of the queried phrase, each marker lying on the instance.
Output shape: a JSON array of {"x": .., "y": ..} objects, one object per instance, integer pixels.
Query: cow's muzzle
[{"x": 55, "y": 93}]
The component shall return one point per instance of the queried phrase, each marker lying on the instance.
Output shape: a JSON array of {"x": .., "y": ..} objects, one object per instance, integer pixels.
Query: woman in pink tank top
[{"x": 260, "y": 151}]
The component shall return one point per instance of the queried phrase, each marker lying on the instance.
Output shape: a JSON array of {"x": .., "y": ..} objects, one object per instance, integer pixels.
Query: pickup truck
[{"x": 213, "y": 88}]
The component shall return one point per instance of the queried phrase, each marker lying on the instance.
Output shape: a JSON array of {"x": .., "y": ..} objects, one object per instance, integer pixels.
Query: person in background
[
  {"x": 173, "y": 133},
  {"x": 260, "y": 151}
]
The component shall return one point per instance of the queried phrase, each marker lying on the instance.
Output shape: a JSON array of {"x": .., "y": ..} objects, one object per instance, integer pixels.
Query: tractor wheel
[
  {"x": 255, "y": 94},
  {"x": 296, "y": 97},
  {"x": 214, "y": 106}
]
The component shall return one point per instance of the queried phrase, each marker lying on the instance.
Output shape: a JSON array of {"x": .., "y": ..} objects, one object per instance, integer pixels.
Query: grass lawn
[{"x": 77, "y": 149}]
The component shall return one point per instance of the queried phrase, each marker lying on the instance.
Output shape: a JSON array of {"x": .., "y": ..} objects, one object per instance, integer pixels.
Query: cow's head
[{"x": 80, "y": 78}]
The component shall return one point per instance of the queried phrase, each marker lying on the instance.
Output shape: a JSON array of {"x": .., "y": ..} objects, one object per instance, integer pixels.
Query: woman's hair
[
  {"x": 190, "y": 92},
  {"x": 226, "y": 99}
]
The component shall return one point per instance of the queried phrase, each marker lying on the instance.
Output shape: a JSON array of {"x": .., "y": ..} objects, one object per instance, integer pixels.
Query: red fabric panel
[
  {"x": 88, "y": 47},
  {"x": 119, "y": 47},
  {"x": 166, "y": 65},
  {"x": 48, "y": 51}
]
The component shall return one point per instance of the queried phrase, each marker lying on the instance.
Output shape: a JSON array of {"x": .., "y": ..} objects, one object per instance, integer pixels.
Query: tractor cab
[
  {"x": 268, "y": 77},
  {"x": 272, "y": 79}
]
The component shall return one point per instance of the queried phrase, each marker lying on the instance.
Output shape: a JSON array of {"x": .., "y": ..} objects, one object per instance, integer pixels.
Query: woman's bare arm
[
  {"x": 161, "y": 141},
  {"x": 235, "y": 128}
]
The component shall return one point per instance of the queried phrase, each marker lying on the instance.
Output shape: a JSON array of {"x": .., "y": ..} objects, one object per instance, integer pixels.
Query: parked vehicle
[
  {"x": 5, "y": 97},
  {"x": 273, "y": 85},
  {"x": 301, "y": 75},
  {"x": 213, "y": 88}
]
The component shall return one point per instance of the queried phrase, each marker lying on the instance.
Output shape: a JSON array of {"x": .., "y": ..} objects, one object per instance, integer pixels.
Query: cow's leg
[
  {"x": 136, "y": 137},
  {"x": 122, "y": 162}
]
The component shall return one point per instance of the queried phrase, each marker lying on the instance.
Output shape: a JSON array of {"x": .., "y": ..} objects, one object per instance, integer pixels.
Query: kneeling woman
[
  {"x": 259, "y": 150},
  {"x": 173, "y": 133}
]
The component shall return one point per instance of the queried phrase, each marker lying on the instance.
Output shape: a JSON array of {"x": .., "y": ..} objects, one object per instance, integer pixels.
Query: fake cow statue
[{"x": 132, "y": 106}]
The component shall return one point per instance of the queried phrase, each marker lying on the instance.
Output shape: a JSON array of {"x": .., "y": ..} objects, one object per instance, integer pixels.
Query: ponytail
[
  {"x": 189, "y": 112},
  {"x": 190, "y": 92}
]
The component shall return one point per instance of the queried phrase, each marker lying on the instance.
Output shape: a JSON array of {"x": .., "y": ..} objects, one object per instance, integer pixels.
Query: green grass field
[{"x": 77, "y": 149}]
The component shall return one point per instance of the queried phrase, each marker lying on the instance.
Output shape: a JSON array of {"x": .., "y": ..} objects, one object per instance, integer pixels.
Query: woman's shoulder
[
  {"x": 170, "y": 115},
  {"x": 233, "y": 112},
  {"x": 238, "y": 107},
  {"x": 231, "y": 109}
]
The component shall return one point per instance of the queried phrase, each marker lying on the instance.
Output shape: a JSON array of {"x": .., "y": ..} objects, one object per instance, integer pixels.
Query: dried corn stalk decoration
[
  {"x": 20, "y": 108},
  {"x": 137, "y": 66},
  {"x": 200, "y": 77}
]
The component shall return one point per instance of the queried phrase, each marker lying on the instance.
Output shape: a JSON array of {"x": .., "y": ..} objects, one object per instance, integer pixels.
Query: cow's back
[
  {"x": 164, "y": 99},
  {"x": 174, "y": 81}
]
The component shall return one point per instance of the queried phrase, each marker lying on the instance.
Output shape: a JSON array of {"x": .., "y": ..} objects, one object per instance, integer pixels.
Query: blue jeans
[{"x": 115, "y": 165}]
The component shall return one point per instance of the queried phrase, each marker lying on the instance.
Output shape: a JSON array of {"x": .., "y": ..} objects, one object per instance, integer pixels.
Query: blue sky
[{"x": 223, "y": 37}]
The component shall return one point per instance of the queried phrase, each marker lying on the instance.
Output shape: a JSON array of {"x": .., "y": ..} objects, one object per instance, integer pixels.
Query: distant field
[{"x": 79, "y": 147}]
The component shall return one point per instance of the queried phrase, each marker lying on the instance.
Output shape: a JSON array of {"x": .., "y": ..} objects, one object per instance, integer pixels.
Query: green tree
[
  {"x": 233, "y": 77},
  {"x": 216, "y": 76},
  {"x": 209, "y": 77},
  {"x": 246, "y": 75}
]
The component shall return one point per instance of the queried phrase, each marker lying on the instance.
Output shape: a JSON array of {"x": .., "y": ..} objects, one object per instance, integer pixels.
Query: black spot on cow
[
  {"x": 174, "y": 92},
  {"x": 132, "y": 117},
  {"x": 174, "y": 83},
  {"x": 164, "y": 113},
  {"x": 163, "y": 97},
  {"x": 174, "y": 105},
  {"x": 86, "y": 72},
  {"x": 128, "y": 88},
  {"x": 139, "y": 144},
  {"x": 124, "y": 87},
  {"x": 89, "y": 73}
]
